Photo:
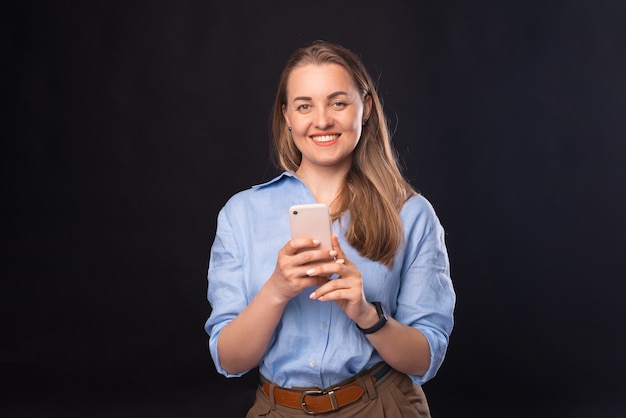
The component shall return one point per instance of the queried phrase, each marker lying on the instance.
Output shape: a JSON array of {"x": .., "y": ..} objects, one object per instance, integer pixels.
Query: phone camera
[{"x": 295, "y": 212}]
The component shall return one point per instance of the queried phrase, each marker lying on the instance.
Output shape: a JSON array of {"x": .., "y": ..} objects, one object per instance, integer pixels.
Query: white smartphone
[{"x": 311, "y": 221}]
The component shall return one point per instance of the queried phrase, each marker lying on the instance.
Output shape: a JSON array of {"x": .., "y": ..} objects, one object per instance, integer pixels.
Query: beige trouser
[{"x": 396, "y": 396}]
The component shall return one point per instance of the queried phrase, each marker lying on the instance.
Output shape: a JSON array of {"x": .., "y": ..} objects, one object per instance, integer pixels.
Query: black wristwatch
[{"x": 382, "y": 320}]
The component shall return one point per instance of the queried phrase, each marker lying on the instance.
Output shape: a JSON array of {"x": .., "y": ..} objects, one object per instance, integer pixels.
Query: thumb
[{"x": 337, "y": 247}]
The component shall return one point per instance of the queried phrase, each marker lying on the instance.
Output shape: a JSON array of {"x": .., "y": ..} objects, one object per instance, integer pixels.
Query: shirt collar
[{"x": 275, "y": 179}]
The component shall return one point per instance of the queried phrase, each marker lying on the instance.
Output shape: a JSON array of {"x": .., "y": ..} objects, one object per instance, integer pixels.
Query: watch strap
[{"x": 382, "y": 320}]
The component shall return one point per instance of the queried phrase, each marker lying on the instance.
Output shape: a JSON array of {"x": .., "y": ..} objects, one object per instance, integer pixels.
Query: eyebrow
[{"x": 330, "y": 96}]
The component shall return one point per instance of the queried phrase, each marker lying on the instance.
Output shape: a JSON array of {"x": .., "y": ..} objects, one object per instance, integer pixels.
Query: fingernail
[
  {"x": 310, "y": 272},
  {"x": 316, "y": 241},
  {"x": 340, "y": 261},
  {"x": 333, "y": 253},
  {"x": 312, "y": 295}
]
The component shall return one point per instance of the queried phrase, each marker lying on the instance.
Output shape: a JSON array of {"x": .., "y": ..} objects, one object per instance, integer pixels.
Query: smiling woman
[
  {"x": 361, "y": 344},
  {"x": 325, "y": 113}
]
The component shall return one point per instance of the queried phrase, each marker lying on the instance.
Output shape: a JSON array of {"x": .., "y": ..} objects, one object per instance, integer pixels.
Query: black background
[{"x": 129, "y": 124}]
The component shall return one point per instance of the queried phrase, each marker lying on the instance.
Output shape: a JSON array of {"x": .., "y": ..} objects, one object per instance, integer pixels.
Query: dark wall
[{"x": 129, "y": 124}]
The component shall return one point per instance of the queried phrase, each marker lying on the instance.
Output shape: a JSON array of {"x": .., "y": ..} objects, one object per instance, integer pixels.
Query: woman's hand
[
  {"x": 244, "y": 341},
  {"x": 293, "y": 273},
  {"x": 404, "y": 348},
  {"x": 346, "y": 290}
]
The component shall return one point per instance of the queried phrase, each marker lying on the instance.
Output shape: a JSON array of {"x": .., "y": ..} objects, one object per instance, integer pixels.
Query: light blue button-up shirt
[{"x": 315, "y": 343}]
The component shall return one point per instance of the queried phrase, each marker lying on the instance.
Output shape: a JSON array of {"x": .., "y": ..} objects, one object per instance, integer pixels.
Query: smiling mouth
[{"x": 325, "y": 138}]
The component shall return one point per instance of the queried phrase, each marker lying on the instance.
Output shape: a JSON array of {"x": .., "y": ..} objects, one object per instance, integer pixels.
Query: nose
[{"x": 323, "y": 118}]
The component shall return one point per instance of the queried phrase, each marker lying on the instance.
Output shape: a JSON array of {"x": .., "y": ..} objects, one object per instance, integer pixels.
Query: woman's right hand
[
  {"x": 244, "y": 341},
  {"x": 290, "y": 274}
]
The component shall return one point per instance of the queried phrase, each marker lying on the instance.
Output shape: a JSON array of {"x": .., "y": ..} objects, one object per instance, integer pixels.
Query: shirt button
[
  {"x": 324, "y": 324},
  {"x": 313, "y": 363}
]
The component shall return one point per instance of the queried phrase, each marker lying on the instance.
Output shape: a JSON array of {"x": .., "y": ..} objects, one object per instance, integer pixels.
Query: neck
[{"x": 324, "y": 182}]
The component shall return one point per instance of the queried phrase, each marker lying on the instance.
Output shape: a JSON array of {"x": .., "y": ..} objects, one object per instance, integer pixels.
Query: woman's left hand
[
  {"x": 404, "y": 348},
  {"x": 346, "y": 290}
]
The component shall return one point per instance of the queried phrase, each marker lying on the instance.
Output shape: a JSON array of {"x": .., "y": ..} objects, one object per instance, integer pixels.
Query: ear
[
  {"x": 367, "y": 107},
  {"x": 286, "y": 116}
]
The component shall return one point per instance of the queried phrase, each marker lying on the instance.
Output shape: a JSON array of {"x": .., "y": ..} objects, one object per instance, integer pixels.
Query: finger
[
  {"x": 314, "y": 257},
  {"x": 299, "y": 244},
  {"x": 337, "y": 247},
  {"x": 326, "y": 269},
  {"x": 334, "y": 290}
]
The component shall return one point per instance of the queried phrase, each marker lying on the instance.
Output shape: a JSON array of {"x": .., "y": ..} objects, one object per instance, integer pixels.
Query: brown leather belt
[{"x": 319, "y": 401}]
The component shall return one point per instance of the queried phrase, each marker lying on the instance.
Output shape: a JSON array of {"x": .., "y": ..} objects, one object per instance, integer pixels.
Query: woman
[{"x": 362, "y": 342}]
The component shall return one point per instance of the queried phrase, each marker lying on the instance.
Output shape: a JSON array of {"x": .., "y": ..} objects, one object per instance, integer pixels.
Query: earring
[
  {"x": 289, "y": 127},
  {"x": 365, "y": 122}
]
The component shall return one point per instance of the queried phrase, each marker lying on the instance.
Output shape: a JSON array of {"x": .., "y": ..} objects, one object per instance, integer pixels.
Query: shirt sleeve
[
  {"x": 426, "y": 299},
  {"x": 226, "y": 290}
]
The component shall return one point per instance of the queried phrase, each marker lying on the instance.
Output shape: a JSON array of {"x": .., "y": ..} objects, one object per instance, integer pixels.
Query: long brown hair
[{"x": 374, "y": 189}]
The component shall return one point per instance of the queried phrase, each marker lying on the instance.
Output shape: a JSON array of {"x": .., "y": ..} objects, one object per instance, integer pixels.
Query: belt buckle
[{"x": 330, "y": 393}]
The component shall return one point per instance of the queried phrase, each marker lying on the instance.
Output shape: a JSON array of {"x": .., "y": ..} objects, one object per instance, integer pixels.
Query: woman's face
[{"x": 326, "y": 113}]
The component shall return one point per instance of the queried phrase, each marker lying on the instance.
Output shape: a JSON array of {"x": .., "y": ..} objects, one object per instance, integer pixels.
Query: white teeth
[{"x": 325, "y": 138}]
